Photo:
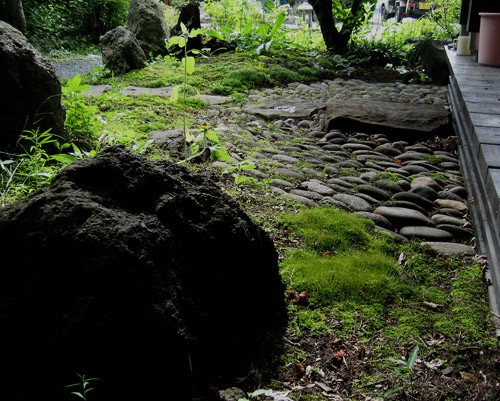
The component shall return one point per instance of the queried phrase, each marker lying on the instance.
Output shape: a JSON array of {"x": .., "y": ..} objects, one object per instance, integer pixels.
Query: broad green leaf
[
  {"x": 174, "y": 40},
  {"x": 223, "y": 155},
  {"x": 189, "y": 63},
  {"x": 277, "y": 24},
  {"x": 195, "y": 148},
  {"x": 258, "y": 392},
  {"x": 212, "y": 136},
  {"x": 175, "y": 94},
  {"x": 184, "y": 29},
  {"x": 195, "y": 32},
  {"x": 248, "y": 166},
  {"x": 63, "y": 158}
]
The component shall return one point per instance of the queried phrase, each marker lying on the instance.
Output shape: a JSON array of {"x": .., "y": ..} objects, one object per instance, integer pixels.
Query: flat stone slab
[
  {"x": 278, "y": 110},
  {"x": 451, "y": 248},
  {"x": 398, "y": 120}
]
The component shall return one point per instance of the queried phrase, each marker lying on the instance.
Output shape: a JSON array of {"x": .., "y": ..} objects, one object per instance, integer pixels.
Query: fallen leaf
[
  {"x": 361, "y": 352},
  {"x": 469, "y": 377},
  {"x": 299, "y": 368},
  {"x": 324, "y": 387},
  {"x": 432, "y": 305},
  {"x": 302, "y": 299}
]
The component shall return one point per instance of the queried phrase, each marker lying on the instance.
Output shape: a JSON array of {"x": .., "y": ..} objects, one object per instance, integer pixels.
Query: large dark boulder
[
  {"x": 30, "y": 92},
  {"x": 140, "y": 274},
  {"x": 434, "y": 61},
  {"x": 121, "y": 51},
  {"x": 147, "y": 21}
]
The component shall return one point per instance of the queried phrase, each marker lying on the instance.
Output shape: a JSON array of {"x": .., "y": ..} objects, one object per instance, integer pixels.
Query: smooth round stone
[
  {"x": 405, "y": 185},
  {"x": 307, "y": 194},
  {"x": 425, "y": 192},
  {"x": 451, "y": 212},
  {"x": 330, "y": 159},
  {"x": 426, "y": 182},
  {"x": 414, "y": 169},
  {"x": 401, "y": 217},
  {"x": 457, "y": 232},
  {"x": 453, "y": 204},
  {"x": 388, "y": 186},
  {"x": 460, "y": 191},
  {"x": 374, "y": 166},
  {"x": 398, "y": 238},
  {"x": 374, "y": 192},
  {"x": 414, "y": 198},
  {"x": 388, "y": 164},
  {"x": 335, "y": 135},
  {"x": 349, "y": 164},
  {"x": 449, "y": 195},
  {"x": 369, "y": 176},
  {"x": 318, "y": 187},
  {"x": 446, "y": 158},
  {"x": 301, "y": 199},
  {"x": 369, "y": 199},
  {"x": 376, "y": 218},
  {"x": 337, "y": 141},
  {"x": 411, "y": 156},
  {"x": 258, "y": 174},
  {"x": 426, "y": 233},
  {"x": 408, "y": 205},
  {"x": 355, "y": 203},
  {"x": 423, "y": 163},
  {"x": 342, "y": 183},
  {"x": 449, "y": 166},
  {"x": 445, "y": 219},
  {"x": 450, "y": 248},
  {"x": 418, "y": 148},
  {"x": 355, "y": 146},
  {"x": 285, "y": 172},
  {"x": 332, "y": 147},
  {"x": 329, "y": 201},
  {"x": 397, "y": 170},
  {"x": 312, "y": 172},
  {"x": 400, "y": 145},
  {"x": 278, "y": 182},
  {"x": 388, "y": 150},
  {"x": 285, "y": 158},
  {"x": 354, "y": 180},
  {"x": 331, "y": 170}
]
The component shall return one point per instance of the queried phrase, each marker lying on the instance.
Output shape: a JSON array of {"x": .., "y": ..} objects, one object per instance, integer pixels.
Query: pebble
[{"x": 409, "y": 190}]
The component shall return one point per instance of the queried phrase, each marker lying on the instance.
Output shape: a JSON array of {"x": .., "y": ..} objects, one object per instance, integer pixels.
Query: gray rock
[
  {"x": 450, "y": 248},
  {"x": 285, "y": 172},
  {"x": 374, "y": 192},
  {"x": 329, "y": 201},
  {"x": 146, "y": 20},
  {"x": 460, "y": 191},
  {"x": 426, "y": 182},
  {"x": 401, "y": 217},
  {"x": 414, "y": 198},
  {"x": 406, "y": 204},
  {"x": 301, "y": 199},
  {"x": 343, "y": 183},
  {"x": 307, "y": 194},
  {"x": 355, "y": 203},
  {"x": 426, "y": 192},
  {"x": 376, "y": 218},
  {"x": 388, "y": 186},
  {"x": 445, "y": 219},
  {"x": 30, "y": 94},
  {"x": 457, "y": 232},
  {"x": 388, "y": 150},
  {"x": 449, "y": 195},
  {"x": 426, "y": 233},
  {"x": 414, "y": 169},
  {"x": 453, "y": 204},
  {"x": 285, "y": 158},
  {"x": 135, "y": 284},
  {"x": 121, "y": 52},
  {"x": 397, "y": 237},
  {"x": 317, "y": 187}
]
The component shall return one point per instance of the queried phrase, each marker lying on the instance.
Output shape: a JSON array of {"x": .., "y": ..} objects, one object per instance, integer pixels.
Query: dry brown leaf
[{"x": 469, "y": 377}]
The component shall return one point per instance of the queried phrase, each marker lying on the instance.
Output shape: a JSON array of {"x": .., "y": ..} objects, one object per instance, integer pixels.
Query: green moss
[{"x": 282, "y": 75}]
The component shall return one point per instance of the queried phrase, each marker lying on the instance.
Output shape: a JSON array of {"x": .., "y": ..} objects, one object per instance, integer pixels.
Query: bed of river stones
[{"x": 410, "y": 190}]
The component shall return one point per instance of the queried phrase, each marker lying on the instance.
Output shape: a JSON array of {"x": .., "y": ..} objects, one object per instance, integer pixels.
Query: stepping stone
[{"x": 427, "y": 233}]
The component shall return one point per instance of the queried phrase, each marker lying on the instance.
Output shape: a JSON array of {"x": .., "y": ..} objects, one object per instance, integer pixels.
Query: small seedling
[{"x": 83, "y": 385}]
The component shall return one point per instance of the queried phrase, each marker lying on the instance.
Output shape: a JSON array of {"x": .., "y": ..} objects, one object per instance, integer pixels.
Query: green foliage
[
  {"x": 84, "y": 385},
  {"x": 72, "y": 24},
  {"x": 82, "y": 123}
]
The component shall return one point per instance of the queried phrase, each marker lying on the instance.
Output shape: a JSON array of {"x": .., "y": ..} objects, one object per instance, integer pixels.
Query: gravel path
[
  {"x": 409, "y": 190},
  {"x": 68, "y": 69}
]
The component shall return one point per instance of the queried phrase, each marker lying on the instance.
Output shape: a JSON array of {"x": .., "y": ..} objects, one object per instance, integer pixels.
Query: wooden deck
[{"x": 475, "y": 102}]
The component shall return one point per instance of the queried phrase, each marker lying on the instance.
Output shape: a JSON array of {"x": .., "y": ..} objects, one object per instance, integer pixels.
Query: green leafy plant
[
  {"x": 404, "y": 370},
  {"x": 39, "y": 164},
  {"x": 83, "y": 386},
  {"x": 238, "y": 169},
  {"x": 82, "y": 123}
]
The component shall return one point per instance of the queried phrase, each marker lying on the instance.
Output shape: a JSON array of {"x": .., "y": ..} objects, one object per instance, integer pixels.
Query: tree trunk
[
  {"x": 190, "y": 17},
  {"x": 11, "y": 11},
  {"x": 335, "y": 41}
]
